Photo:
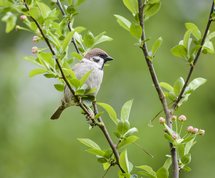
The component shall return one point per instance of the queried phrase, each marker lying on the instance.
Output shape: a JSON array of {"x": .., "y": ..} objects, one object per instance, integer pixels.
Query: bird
[{"x": 92, "y": 62}]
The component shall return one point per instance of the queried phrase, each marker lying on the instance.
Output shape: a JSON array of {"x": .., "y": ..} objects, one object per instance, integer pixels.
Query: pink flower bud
[
  {"x": 195, "y": 130},
  {"x": 174, "y": 117},
  {"x": 201, "y": 132},
  {"x": 182, "y": 118},
  {"x": 23, "y": 17},
  {"x": 174, "y": 136},
  {"x": 35, "y": 39},
  {"x": 34, "y": 50},
  {"x": 190, "y": 129},
  {"x": 162, "y": 120}
]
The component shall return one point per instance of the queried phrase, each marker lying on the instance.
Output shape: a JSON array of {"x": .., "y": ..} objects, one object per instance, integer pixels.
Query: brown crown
[{"x": 95, "y": 52}]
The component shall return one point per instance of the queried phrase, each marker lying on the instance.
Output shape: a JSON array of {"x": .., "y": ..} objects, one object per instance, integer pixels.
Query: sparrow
[{"x": 93, "y": 61}]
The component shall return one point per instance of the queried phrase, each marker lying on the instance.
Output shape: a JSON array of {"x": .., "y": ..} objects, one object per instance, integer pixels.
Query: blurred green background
[{"x": 33, "y": 146}]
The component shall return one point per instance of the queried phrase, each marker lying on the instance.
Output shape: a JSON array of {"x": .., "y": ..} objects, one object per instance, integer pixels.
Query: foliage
[{"x": 42, "y": 19}]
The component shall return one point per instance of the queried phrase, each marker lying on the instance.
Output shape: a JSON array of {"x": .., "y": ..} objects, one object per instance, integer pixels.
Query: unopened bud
[
  {"x": 174, "y": 117},
  {"x": 35, "y": 39},
  {"x": 201, "y": 132},
  {"x": 174, "y": 136},
  {"x": 34, "y": 50},
  {"x": 23, "y": 17},
  {"x": 195, "y": 130},
  {"x": 190, "y": 129},
  {"x": 182, "y": 118},
  {"x": 162, "y": 120}
]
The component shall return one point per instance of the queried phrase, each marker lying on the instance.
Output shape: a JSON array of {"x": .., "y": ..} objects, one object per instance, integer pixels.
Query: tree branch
[
  {"x": 83, "y": 107},
  {"x": 157, "y": 87},
  {"x": 192, "y": 66},
  {"x": 64, "y": 14},
  {"x": 101, "y": 124}
]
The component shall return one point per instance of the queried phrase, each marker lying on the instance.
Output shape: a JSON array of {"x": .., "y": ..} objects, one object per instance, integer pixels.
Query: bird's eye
[
  {"x": 96, "y": 60},
  {"x": 103, "y": 56}
]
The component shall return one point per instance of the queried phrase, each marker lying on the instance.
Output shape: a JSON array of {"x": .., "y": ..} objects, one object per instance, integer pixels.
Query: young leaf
[
  {"x": 111, "y": 112},
  {"x": 136, "y": 30},
  {"x": 179, "y": 51},
  {"x": 122, "y": 127},
  {"x": 102, "y": 39},
  {"x": 148, "y": 171},
  {"x": 123, "y": 161},
  {"x": 194, "y": 30},
  {"x": 47, "y": 58},
  {"x": 37, "y": 72},
  {"x": 186, "y": 159},
  {"x": 132, "y": 6},
  {"x": 123, "y": 22},
  {"x": 125, "y": 111},
  {"x": 151, "y": 9},
  {"x": 10, "y": 20},
  {"x": 162, "y": 173},
  {"x": 156, "y": 45},
  {"x": 89, "y": 143},
  {"x": 178, "y": 85},
  {"x": 208, "y": 47},
  {"x": 89, "y": 39},
  {"x": 44, "y": 9},
  {"x": 126, "y": 141},
  {"x": 97, "y": 152},
  {"x": 131, "y": 131},
  {"x": 67, "y": 40},
  {"x": 194, "y": 84},
  {"x": 166, "y": 86},
  {"x": 84, "y": 78},
  {"x": 59, "y": 87}
]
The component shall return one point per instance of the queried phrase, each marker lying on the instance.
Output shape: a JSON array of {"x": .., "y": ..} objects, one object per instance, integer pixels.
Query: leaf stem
[{"x": 180, "y": 96}]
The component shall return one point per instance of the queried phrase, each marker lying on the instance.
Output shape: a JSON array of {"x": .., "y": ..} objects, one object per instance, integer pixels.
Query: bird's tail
[{"x": 58, "y": 112}]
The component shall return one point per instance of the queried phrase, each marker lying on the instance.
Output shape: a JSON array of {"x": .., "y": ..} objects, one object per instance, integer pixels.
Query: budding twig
[
  {"x": 157, "y": 87},
  {"x": 180, "y": 96}
]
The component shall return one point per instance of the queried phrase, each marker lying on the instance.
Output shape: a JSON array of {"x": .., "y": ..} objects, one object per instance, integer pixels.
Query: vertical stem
[{"x": 160, "y": 93}]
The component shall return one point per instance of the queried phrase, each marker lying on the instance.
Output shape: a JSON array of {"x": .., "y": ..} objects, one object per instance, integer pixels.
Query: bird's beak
[{"x": 108, "y": 58}]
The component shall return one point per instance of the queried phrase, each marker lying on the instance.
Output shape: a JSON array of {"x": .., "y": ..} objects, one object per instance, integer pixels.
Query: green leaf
[
  {"x": 111, "y": 112},
  {"x": 131, "y": 131},
  {"x": 47, "y": 58},
  {"x": 126, "y": 141},
  {"x": 208, "y": 47},
  {"x": 59, "y": 87},
  {"x": 136, "y": 30},
  {"x": 97, "y": 152},
  {"x": 179, "y": 51},
  {"x": 125, "y": 111},
  {"x": 162, "y": 173},
  {"x": 37, "y": 72},
  {"x": 123, "y": 161},
  {"x": 35, "y": 12},
  {"x": 188, "y": 146},
  {"x": 156, "y": 45},
  {"x": 88, "y": 39},
  {"x": 178, "y": 85},
  {"x": 89, "y": 143},
  {"x": 167, "y": 163},
  {"x": 194, "y": 30},
  {"x": 186, "y": 40},
  {"x": 84, "y": 78},
  {"x": 44, "y": 9},
  {"x": 166, "y": 86},
  {"x": 67, "y": 40},
  {"x": 148, "y": 171},
  {"x": 151, "y": 9},
  {"x": 102, "y": 39},
  {"x": 132, "y": 6},
  {"x": 186, "y": 159},
  {"x": 123, "y": 22},
  {"x": 10, "y": 20},
  {"x": 122, "y": 127},
  {"x": 194, "y": 84}
]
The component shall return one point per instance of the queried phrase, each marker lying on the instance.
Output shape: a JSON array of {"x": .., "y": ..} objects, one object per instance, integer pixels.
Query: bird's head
[{"x": 98, "y": 56}]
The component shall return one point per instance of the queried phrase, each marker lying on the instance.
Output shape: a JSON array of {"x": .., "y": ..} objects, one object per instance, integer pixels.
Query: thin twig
[
  {"x": 59, "y": 4},
  {"x": 101, "y": 124},
  {"x": 192, "y": 66},
  {"x": 107, "y": 136},
  {"x": 157, "y": 87}
]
